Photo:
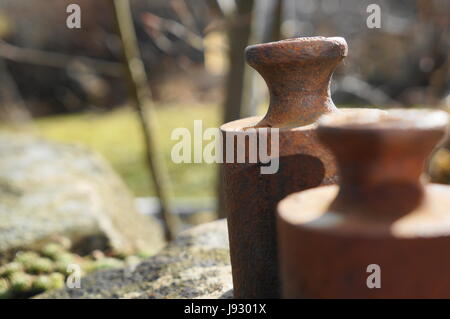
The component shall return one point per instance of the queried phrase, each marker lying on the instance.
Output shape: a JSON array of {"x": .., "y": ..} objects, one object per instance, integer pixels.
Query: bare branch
[
  {"x": 137, "y": 79},
  {"x": 57, "y": 60},
  {"x": 165, "y": 25}
]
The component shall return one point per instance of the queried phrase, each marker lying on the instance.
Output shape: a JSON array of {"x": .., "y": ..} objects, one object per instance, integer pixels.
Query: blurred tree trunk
[
  {"x": 137, "y": 80},
  {"x": 266, "y": 27},
  {"x": 274, "y": 17},
  {"x": 12, "y": 107},
  {"x": 238, "y": 32}
]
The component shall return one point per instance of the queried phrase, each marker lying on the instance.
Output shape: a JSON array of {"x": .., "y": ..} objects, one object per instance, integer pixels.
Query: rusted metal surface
[
  {"x": 298, "y": 73},
  {"x": 383, "y": 212}
]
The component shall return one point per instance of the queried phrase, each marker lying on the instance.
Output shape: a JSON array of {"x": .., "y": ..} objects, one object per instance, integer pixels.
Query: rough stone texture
[
  {"x": 195, "y": 265},
  {"x": 49, "y": 189}
]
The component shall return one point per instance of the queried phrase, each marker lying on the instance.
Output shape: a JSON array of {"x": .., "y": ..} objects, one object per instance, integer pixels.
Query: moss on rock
[
  {"x": 32, "y": 272},
  {"x": 195, "y": 265}
]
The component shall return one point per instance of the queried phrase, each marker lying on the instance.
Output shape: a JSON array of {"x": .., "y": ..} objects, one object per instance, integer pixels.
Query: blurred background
[
  {"x": 68, "y": 84},
  {"x": 77, "y": 86}
]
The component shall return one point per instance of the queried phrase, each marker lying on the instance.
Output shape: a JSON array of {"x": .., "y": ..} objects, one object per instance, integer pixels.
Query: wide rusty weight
[
  {"x": 383, "y": 217},
  {"x": 297, "y": 73}
]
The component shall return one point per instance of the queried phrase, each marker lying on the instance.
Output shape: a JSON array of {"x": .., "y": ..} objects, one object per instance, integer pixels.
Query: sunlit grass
[{"x": 117, "y": 136}]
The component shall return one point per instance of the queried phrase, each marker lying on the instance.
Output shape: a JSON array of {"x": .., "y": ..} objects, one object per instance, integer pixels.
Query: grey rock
[
  {"x": 195, "y": 265},
  {"x": 49, "y": 189}
]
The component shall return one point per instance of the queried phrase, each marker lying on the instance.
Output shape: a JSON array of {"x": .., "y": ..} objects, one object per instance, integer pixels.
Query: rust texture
[
  {"x": 298, "y": 73},
  {"x": 383, "y": 212}
]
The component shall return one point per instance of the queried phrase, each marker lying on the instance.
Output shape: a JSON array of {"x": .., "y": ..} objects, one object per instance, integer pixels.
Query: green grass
[{"x": 117, "y": 136}]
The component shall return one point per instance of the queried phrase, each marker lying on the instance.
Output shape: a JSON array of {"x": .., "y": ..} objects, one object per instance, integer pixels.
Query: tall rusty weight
[
  {"x": 383, "y": 215},
  {"x": 298, "y": 74}
]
